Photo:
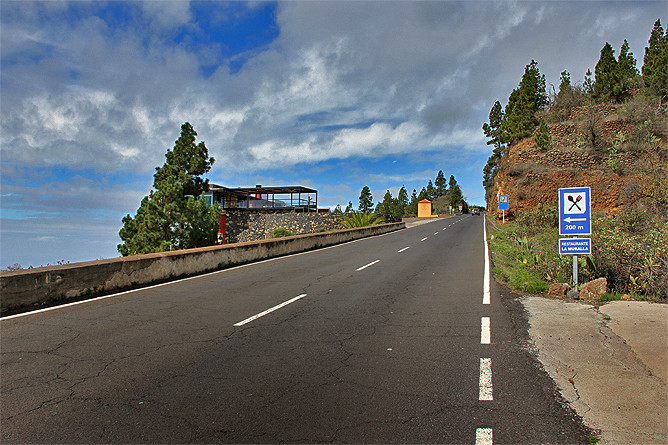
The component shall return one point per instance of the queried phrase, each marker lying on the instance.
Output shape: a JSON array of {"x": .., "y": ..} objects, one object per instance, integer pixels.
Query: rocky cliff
[{"x": 606, "y": 147}]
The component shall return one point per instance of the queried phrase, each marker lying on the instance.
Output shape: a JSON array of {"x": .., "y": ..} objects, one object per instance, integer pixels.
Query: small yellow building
[{"x": 424, "y": 208}]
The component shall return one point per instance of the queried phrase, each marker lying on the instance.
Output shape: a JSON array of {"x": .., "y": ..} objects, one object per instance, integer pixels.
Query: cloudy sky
[{"x": 330, "y": 95}]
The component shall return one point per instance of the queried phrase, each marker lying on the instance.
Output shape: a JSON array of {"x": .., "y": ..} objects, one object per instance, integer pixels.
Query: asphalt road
[{"x": 381, "y": 340}]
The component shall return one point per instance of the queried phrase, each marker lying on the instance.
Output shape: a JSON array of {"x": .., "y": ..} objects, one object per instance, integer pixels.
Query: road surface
[{"x": 389, "y": 339}]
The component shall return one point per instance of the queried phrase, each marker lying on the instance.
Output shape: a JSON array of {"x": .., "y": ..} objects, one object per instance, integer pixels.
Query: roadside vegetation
[
  {"x": 281, "y": 232},
  {"x": 630, "y": 244},
  {"x": 630, "y": 250},
  {"x": 360, "y": 219}
]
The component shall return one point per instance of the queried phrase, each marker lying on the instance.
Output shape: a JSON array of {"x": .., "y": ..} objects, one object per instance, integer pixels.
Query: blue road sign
[
  {"x": 575, "y": 211},
  {"x": 574, "y": 246},
  {"x": 504, "y": 202}
]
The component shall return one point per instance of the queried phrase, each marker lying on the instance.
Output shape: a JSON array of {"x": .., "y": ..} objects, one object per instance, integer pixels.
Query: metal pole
[
  {"x": 575, "y": 271},
  {"x": 504, "y": 216}
]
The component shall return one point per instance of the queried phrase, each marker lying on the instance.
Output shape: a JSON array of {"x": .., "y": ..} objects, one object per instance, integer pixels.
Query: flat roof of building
[{"x": 267, "y": 190}]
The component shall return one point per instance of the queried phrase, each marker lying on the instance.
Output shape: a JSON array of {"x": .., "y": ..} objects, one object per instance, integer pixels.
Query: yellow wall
[{"x": 424, "y": 209}]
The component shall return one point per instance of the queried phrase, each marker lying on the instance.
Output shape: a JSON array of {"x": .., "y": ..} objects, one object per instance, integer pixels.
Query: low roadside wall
[{"x": 31, "y": 288}]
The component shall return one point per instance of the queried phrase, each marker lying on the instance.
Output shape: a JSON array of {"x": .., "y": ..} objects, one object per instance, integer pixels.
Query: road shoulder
[{"x": 596, "y": 369}]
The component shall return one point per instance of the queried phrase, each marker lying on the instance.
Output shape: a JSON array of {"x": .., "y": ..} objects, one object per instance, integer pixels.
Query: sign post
[
  {"x": 575, "y": 220},
  {"x": 504, "y": 204}
]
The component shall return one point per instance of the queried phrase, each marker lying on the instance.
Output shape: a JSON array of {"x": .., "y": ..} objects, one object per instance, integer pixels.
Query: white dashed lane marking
[
  {"x": 270, "y": 310},
  {"x": 485, "y": 379},
  {"x": 367, "y": 265},
  {"x": 483, "y": 436},
  {"x": 485, "y": 332}
]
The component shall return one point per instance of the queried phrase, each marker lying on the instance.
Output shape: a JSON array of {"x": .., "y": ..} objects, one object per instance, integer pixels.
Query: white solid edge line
[
  {"x": 485, "y": 290},
  {"x": 268, "y": 311},
  {"x": 485, "y": 333},
  {"x": 367, "y": 265},
  {"x": 167, "y": 283},
  {"x": 483, "y": 436},
  {"x": 403, "y": 250},
  {"x": 485, "y": 379}
]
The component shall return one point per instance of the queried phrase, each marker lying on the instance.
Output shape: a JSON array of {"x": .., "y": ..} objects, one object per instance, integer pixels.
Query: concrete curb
[{"x": 32, "y": 288}]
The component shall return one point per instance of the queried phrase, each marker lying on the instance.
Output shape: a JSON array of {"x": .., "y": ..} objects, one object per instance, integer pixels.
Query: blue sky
[{"x": 330, "y": 95}]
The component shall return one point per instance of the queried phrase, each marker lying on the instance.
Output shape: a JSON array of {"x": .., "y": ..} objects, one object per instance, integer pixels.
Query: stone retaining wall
[
  {"x": 31, "y": 288},
  {"x": 253, "y": 225}
]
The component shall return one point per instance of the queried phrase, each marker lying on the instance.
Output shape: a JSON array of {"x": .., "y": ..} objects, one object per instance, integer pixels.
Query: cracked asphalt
[{"x": 387, "y": 354}]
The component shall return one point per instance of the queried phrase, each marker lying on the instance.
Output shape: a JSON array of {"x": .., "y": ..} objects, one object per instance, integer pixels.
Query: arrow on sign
[{"x": 569, "y": 219}]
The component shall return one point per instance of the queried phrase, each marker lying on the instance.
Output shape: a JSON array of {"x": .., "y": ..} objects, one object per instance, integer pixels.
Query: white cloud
[
  {"x": 342, "y": 81},
  {"x": 166, "y": 14}
]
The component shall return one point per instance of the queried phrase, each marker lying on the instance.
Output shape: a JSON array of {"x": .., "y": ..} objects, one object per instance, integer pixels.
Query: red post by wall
[{"x": 220, "y": 239}]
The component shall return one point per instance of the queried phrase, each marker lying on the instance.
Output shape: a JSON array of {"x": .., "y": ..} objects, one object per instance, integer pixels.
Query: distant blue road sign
[
  {"x": 575, "y": 211},
  {"x": 574, "y": 246},
  {"x": 504, "y": 202}
]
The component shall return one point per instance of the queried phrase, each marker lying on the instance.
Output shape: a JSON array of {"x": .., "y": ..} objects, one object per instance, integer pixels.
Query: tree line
[
  {"x": 401, "y": 205},
  {"x": 614, "y": 80},
  {"x": 171, "y": 217}
]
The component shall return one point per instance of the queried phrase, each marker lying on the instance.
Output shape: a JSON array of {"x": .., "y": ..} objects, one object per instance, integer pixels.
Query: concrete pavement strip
[{"x": 610, "y": 363}]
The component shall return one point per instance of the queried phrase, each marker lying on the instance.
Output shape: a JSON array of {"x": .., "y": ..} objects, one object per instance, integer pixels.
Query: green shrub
[
  {"x": 280, "y": 232},
  {"x": 538, "y": 220},
  {"x": 361, "y": 219},
  {"x": 630, "y": 250},
  {"x": 526, "y": 280},
  {"x": 631, "y": 261}
]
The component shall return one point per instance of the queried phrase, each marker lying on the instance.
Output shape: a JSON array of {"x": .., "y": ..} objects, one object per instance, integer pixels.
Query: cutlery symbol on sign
[{"x": 575, "y": 202}]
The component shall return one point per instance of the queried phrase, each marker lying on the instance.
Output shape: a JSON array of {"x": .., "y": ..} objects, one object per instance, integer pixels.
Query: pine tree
[
  {"x": 440, "y": 184},
  {"x": 542, "y": 138},
  {"x": 588, "y": 85},
  {"x": 170, "y": 217},
  {"x": 489, "y": 170},
  {"x": 456, "y": 196},
  {"x": 655, "y": 62},
  {"x": 431, "y": 191},
  {"x": 565, "y": 94},
  {"x": 493, "y": 129},
  {"x": 401, "y": 203},
  {"x": 385, "y": 207},
  {"x": 606, "y": 79},
  {"x": 452, "y": 182},
  {"x": 627, "y": 73},
  {"x": 626, "y": 63},
  {"x": 412, "y": 207},
  {"x": 365, "y": 200},
  {"x": 524, "y": 102},
  {"x": 532, "y": 87}
]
